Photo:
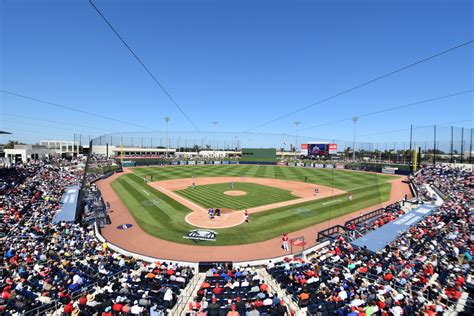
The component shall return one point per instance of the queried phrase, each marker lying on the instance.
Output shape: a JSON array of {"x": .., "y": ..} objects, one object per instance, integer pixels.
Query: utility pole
[{"x": 354, "y": 120}]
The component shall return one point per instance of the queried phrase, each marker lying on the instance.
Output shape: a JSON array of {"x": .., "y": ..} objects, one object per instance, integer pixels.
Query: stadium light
[
  {"x": 215, "y": 124},
  {"x": 296, "y": 135},
  {"x": 167, "y": 119},
  {"x": 354, "y": 119}
]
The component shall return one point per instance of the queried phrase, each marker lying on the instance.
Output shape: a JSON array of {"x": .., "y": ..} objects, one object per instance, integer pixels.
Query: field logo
[
  {"x": 201, "y": 235},
  {"x": 151, "y": 202}
]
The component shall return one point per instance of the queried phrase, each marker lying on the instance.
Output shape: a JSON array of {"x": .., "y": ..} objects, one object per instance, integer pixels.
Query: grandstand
[
  {"x": 234, "y": 158},
  {"x": 95, "y": 275}
]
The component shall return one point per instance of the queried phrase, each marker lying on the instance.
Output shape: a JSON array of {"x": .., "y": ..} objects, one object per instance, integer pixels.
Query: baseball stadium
[{"x": 177, "y": 167}]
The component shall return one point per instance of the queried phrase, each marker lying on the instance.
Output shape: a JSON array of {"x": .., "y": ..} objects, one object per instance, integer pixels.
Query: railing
[
  {"x": 329, "y": 233},
  {"x": 365, "y": 217}
]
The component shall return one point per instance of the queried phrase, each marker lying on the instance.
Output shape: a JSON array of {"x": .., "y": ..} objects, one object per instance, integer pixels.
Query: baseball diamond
[{"x": 168, "y": 220}]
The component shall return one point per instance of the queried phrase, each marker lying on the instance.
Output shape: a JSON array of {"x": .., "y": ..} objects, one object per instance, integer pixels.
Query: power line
[
  {"x": 391, "y": 109},
  {"x": 364, "y": 84},
  {"x": 57, "y": 122},
  {"x": 160, "y": 85},
  {"x": 72, "y": 109}
]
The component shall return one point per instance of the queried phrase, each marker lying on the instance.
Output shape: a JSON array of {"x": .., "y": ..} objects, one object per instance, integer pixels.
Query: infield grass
[
  {"x": 163, "y": 217},
  {"x": 212, "y": 195}
]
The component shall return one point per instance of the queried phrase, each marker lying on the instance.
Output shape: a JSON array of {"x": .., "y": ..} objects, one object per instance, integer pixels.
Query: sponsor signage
[
  {"x": 339, "y": 166},
  {"x": 191, "y": 162},
  {"x": 318, "y": 165},
  {"x": 389, "y": 170},
  {"x": 217, "y": 162},
  {"x": 304, "y": 149},
  {"x": 308, "y": 164},
  {"x": 333, "y": 148},
  {"x": 300, "y": 164},
  {"x": 174, "y": 162},
  {"x": 200, "y": 162},
  {"x": 225, "y": 162},
  {"x": 329, "y": 166},
  {"x": 124, "y": 226},
  {"x": 233, "y": 162},
  {"x": 183, "y": 162},
  {"x": 201, "y": 235},
  {"x": 282, "y": 163},
  {"x": 291, "y": 164}
]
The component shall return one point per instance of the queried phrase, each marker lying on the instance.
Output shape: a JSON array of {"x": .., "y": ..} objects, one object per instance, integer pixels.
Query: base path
[
  {"x": 136, "y": 240},
  {"x": 200, "y": 218}
]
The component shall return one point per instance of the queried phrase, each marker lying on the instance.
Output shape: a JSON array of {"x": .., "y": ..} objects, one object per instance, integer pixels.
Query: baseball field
[{"x": 164, "y": 213}]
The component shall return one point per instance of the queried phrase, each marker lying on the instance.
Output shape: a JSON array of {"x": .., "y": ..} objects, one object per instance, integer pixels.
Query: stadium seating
[
  {"x": 425, "y": 269},
  {"x": 241, "y": 290},
  {"x": 49, "y": 267},
  {"x": 63, "y": 266}
]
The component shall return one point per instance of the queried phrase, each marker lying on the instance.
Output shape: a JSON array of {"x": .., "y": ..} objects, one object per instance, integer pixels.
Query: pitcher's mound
[{"x": 235, "y": 193}]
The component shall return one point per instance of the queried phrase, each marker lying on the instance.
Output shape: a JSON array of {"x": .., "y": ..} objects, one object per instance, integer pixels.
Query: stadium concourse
[{"x": 65, "y": 269}]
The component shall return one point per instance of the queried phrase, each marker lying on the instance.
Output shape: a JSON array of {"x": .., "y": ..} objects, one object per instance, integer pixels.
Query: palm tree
[{"x": 11, "y": 144}]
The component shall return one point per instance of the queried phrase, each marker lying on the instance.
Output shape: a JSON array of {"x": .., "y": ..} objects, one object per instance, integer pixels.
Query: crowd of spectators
[
  {"x": 425, "y": 271},
  {"x": 241, "y": 291},
  {"x": 49, "y": 267},
  {"x": 390, "y": 213}
]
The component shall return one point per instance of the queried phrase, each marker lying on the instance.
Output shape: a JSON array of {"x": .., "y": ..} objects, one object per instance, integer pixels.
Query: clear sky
[{"x": 240, "y": 63}]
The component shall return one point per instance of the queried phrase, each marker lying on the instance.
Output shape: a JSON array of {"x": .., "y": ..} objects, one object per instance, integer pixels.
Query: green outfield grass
[
  {"x": 341, "y": 179},
  {"x": 212, "y": 195},
  {"x": 163, "y": 217}
]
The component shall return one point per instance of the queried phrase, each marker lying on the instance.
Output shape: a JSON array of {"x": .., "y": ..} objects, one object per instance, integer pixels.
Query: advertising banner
[
  {"x": 333, "y": 148},
  {"x": 291, "y": 164},
  {"x": 318, "y": 165},
  {"x": 300, "y": 164},
  {"x": 329, "y": 166},
  {"x": 217, "y": 162},
  {"x": 175, "y": 162},
  {"x": 225, "y": 162},
  {"x": 192, "y": 162},
  {"x": 308, "y": 164},
  {"x": 282, "y": 163},
  {"x": 304, "y": 149},
  {"x": 200, "y": 162},
  {"x": 183, "y": 162},
  {"x": 339, "y": 166},
  {"x": 389, "y": 170}
]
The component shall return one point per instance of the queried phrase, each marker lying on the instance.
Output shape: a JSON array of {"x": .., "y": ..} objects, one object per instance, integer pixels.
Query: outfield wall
[{"x": 369, "y": 167}]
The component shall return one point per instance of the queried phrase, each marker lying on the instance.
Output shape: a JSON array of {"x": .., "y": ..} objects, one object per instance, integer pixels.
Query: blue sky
[{"x": 240, "y": 63}]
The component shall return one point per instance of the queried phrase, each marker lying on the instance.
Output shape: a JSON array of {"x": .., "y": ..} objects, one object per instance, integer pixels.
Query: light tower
[
  {"x": 296, "y": 135},
  {"x": 215, "y": 124},
  {"x": 354, "y": 119},
  {"x": 167, "y": 119}
]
